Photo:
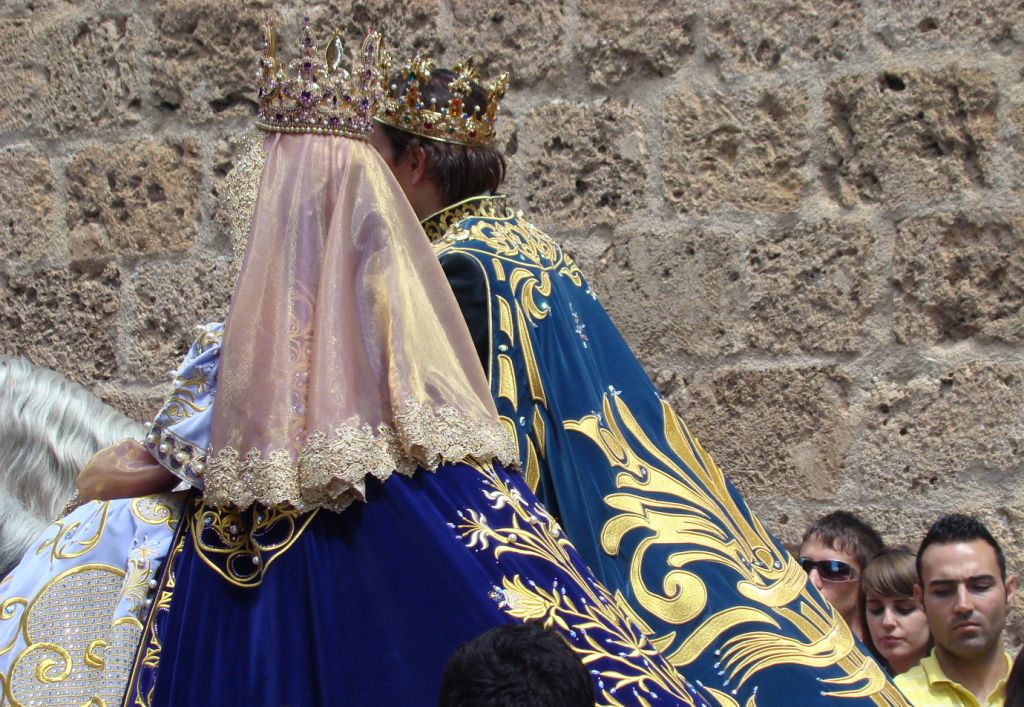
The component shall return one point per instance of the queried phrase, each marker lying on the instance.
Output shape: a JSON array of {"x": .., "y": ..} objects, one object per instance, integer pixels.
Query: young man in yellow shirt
[{"x": 965, "y": 592}]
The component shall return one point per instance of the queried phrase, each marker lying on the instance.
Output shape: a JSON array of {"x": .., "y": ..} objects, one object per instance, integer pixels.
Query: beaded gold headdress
[
  {"x": 314, "y": 93},
  {"x": 405, "y": 109}
]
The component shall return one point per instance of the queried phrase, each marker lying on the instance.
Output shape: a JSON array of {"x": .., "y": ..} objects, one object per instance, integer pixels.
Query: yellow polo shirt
[{"x": 925, "y": 685}]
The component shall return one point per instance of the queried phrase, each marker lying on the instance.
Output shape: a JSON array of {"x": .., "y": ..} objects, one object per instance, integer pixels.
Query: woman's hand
[{"x": 123, "y": 470}]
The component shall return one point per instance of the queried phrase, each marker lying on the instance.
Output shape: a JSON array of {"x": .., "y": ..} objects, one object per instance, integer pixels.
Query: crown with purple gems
[
  {"x": 313, "y": 93},
  {"x": 405, "y": 110}
]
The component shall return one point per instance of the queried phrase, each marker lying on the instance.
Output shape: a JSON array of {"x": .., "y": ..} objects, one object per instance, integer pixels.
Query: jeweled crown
[
  {"x": 314, "y": 93},
  {"x": 405, "y": 109}
]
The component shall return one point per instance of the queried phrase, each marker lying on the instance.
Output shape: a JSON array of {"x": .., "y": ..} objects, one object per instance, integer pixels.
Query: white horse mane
[{"x": 49, "y": 428}]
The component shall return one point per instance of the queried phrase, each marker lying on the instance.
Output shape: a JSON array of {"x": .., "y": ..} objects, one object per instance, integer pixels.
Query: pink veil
[{"x": 344, "y": 353}]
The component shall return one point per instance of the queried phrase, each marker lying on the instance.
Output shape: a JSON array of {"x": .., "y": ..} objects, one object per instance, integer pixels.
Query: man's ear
[
  {"x": 919, "y": 596},
  {"x": 416, "y": 163},
  {"x": 1011, "y": 587}
]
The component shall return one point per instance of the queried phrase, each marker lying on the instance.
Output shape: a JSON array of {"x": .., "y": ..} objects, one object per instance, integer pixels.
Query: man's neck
[
  {"x": 978, "y": 674},
  {"x": 426, "y": 201}
]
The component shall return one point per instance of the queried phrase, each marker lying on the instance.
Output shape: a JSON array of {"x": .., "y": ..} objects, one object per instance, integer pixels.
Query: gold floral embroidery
[
  {"x": 605, "y": 636},
  {"x": 677, "y": 497}
]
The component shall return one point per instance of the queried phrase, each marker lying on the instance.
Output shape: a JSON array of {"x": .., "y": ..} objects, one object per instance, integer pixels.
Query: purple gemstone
[
  {"x": 279, "y": 116},
  {"x": 307, "y": 66},
  {"x": 305, "y": 96},
  {"x": 335, "y": 121}
]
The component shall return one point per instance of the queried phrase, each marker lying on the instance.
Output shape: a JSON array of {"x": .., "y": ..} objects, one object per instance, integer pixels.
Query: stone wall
[{"x": 808, "y": 216}]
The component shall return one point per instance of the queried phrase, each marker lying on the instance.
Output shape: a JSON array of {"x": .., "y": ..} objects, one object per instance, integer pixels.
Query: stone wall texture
[{"x": 807, "y": 216}]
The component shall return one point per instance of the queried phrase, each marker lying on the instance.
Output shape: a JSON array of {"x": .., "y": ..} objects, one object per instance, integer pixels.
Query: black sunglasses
[{"x": 829, "y": 570}]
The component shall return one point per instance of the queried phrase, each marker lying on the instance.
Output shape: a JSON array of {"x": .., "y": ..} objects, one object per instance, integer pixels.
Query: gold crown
[
  {"x": 314, "y": 94},
  {"x": 406, "y": 111}
]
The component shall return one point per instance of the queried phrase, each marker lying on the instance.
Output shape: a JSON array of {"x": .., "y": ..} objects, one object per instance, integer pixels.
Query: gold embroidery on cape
[
  {"x": 670, "y": 508},
  {"x": 507, "y": 387},
  {"x": 491, "y": 207},
  {"x": 534, "y": 533},
  {"x": 704, "y": 519},
  {"x": 516, "y": 243},
  {"x": 505, "y": 318},
  {"x": 526, "y": 257}
]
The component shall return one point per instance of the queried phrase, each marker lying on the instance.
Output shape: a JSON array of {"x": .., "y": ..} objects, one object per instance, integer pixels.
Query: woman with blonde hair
[{"x": 897, "y": 627}]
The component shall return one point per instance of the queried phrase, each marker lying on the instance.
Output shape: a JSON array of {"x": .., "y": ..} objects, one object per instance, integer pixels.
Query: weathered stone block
[
  {"x": 136, "y": 198},
  {"x": 954, "y": 434},
  {"x": 673, "y": 292},
  {"x": 775, "y": 432},
  {"x": 166, "y": 302},
  {"x": 522, "y": 38},
  {"x": 811, "y": 286},
  {"x": 30, "y": 228},
  {"x": 959, "y": 277},
  {"x": 744, "y": 151},
  {"x": 902, "y": 137},
  {"x": 979, "y": 25},
  {"x": 63, "y": 319},
  {"x": 409, "y": 26},
  {"x": 139, "y": 403},
  {"x": 1009, "y": 158},
  {"x": 617, "y": 42},
  {"x": 763, "y": 35},
  {"x": 585, "y": 163},
  {"x": 204, "y": 55},
  {"x": 70, "y": 71}
]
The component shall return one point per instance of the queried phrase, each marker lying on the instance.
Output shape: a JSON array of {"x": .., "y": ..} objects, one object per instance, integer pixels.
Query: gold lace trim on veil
[{"x": 332, "y": 467}]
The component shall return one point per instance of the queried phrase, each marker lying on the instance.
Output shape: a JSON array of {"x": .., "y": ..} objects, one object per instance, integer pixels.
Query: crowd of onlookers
[{"x": 935, "y": 618}]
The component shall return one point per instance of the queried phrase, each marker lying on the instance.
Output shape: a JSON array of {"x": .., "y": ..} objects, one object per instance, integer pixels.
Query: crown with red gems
[
  {"x": 314, "y": 93},
  {"x": 407, "y": 111}
]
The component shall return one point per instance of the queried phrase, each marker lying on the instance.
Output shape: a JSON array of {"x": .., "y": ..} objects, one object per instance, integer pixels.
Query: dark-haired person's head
[
  {"x": 435, "y": 174},
  {"x": 834, "y": 552},
  {"x": 959, "y": 528},
  {"x": 964, "y": 590},
  {"x": 520, "y": 665}
]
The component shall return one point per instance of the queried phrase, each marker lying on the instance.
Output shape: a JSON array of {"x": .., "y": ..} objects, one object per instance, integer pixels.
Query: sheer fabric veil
[{"x": 344, "y": 352}]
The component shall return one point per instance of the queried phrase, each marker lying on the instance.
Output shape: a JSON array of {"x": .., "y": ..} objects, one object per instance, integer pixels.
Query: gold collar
[{"x": 436, "y": 225}]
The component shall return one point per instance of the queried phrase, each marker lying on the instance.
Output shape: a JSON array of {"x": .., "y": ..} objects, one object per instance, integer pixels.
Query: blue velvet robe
[
  {"x": 268, "y": 606},
  {"x": 647, "y": 508}
]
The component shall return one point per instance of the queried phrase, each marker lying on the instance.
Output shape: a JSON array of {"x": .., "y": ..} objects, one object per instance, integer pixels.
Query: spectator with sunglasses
[{"x": 833, "y": 552}]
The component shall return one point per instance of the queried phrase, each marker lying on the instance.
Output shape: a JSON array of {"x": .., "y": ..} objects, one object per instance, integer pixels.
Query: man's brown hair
[{"x": 460, "y": 171}]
